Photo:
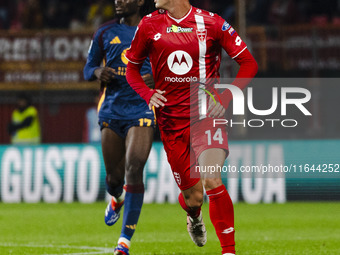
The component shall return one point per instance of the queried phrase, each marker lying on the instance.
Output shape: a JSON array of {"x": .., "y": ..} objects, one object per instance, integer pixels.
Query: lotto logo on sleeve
[{"x": 177, "y": 178}]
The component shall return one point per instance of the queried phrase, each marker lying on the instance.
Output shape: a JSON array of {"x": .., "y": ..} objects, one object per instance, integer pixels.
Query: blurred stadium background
[{"x": 43, "y": 48}]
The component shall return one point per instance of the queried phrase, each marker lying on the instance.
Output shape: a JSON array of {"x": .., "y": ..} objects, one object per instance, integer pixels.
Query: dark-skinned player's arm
[
  {"x": 93, "y": 68},
  {"x": 148, "y": 79}
]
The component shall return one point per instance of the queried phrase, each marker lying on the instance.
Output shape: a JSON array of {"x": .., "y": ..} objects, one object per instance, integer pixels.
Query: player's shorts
[
  {"x": 121, "y": 127},
  {"x": 183, "y": 148}
]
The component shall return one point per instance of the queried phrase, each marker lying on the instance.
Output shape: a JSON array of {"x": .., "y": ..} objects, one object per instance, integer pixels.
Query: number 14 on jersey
[{"x": 218, "y": 137}]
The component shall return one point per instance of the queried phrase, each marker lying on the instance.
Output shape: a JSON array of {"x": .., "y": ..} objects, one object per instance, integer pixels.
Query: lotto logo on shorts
[{"x": 177, "y": 178}]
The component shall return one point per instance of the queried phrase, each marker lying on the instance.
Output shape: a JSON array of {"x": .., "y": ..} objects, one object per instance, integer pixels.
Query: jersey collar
[{"x": 181, "y": 19}]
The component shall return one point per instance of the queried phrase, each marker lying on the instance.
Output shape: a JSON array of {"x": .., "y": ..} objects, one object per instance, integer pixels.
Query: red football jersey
[{"x": 182, "y": 51}]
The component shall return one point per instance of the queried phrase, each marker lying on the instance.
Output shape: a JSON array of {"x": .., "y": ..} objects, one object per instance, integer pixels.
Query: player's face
[
  {"x": 162, "y": 4},
  {"x": 126, "y": 7}
]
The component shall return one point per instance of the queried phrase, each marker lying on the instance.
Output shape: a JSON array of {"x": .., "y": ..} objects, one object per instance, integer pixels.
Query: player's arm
[
  {"x": 136, "y": 55},
  {"x": 93, "y": 69},
  {"x": 153, "y": 97},
  {"x": 237, "y": 50},
  {"x": 247, "y": 71},
  {"x": 148, "y": 79}
]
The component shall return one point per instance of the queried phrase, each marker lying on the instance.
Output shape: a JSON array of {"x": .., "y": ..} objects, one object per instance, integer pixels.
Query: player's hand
[
  {"x": 105, "y": 74},
  {"x": 148, "y": 79},
  {"x": 157, "y": 100},
  {"x": 215, "y": 110}
]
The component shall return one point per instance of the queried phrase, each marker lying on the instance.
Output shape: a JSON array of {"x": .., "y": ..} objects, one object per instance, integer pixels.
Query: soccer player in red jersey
[{"x": 184, "y": 45}]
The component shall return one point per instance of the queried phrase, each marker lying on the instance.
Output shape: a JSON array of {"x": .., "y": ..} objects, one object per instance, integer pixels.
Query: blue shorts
[{"x": 121, "y": 127}]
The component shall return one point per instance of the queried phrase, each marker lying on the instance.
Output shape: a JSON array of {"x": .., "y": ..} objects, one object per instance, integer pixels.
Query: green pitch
[{"x": 292, "y": 228}]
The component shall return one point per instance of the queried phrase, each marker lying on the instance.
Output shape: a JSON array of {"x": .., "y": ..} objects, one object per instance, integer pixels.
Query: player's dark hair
[{"x": 147, "y": 7}]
